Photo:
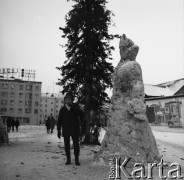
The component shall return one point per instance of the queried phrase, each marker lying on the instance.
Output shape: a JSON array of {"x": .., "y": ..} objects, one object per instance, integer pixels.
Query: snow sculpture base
[{"x": 128, "y": 132}]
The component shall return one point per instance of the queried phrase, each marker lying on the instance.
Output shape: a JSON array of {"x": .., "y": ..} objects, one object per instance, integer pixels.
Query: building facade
[
  {"x": 162, "y": 110},
  {"x": 50, "y": 104},
  {"x": 20, "y": 100},
  {"x": 165, "y": 103}
]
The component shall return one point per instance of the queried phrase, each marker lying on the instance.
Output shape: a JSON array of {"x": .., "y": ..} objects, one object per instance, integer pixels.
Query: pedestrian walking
[
  {"x": 70, "y": 119},
  {"x": 52, "y": 123},
  {"x": 12, "y": 123},
  {"x": 8, "y": 124},
  {"x": 17, "y": 123},
  {"x": 47, "y": 124}
]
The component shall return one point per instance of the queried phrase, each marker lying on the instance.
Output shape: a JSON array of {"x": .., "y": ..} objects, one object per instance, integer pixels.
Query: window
[
  {"x": 36, "y": 103},
  {"x": 45, "y": 100},
  {"x": 37, "y": 88},
  {"x": 19, "y": 110},
  {"x": 5, "y": 86},
  {"x": 20, "y": 103},
  {"x": 28, "y": 103},
  {"x": 51, "y": 110},
  {"x": 36, "y": 111},
  {"x": 4, "y": 94},
  {"x": 20, "y": 95},
  {"x": 21, "y": 87},
  {"x": 12, "y": 86},
  {"x": 11, "y": 110},
  {"x": 28, "y": 87},
  {"x": 12, "y": 94},
  {"x": 28, "y": 95},
  {"x": 3, "y": 110},
  {"x": 26, "y": 120},
  {"x": 166, "y": 109},
  {"x": 51, "y": 102},
  {"x": 11, "y": 102},
  {"x": 36, "y": 96},
  {"x": 45, "y": 105},
  {"x": 4, "y": 102},
  {"x": 27, "y": 110}
]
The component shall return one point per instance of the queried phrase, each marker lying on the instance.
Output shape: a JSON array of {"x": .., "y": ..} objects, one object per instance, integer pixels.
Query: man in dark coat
[
  {"x": 70, "y": 119},
  {"x": 8, "y": 123},
  {"x": 52, "y": 123},
  {"x": 17, "y": 123},
  {"x": 12, "y": 123},
  {"x": 47, "y": 124}
]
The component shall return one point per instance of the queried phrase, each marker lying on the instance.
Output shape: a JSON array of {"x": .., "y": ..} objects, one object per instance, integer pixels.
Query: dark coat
[
  {"x": 52, "y": 123},
  {"x": 70, "y": 121},
  {"x": 9, "y": 122},
  {"x": 17, "y": 123},
  {"x": 47, "y": 124}
]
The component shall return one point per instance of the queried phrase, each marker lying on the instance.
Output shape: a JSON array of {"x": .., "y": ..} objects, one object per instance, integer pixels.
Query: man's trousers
[{"x": 75, "y": 144}]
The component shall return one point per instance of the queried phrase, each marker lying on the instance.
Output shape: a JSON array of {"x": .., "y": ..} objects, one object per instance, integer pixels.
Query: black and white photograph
[{"x": 91, "y": 89}]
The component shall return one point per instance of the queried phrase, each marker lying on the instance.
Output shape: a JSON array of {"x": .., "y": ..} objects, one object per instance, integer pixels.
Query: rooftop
[{"x": 164, "y": 89}]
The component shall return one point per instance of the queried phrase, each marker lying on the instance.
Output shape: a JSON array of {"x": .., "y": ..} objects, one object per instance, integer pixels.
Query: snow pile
[{"x": 26, "y": 131}]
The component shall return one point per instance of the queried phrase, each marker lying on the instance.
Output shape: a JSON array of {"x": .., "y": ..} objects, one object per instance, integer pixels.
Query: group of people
[
  {"x": 50, "y": 124},
  {"x": 11, "y": 123}
]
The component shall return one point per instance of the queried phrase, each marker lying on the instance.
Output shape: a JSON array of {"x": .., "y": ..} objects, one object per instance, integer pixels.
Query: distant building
[
  {"x": 165, "y": 102},
  {"x": 20, "y": 99},
  {"x": 50, "y": 104}
]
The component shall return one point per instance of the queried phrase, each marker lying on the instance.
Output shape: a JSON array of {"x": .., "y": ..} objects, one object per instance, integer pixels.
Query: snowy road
[{"x": 36, "y": 155}]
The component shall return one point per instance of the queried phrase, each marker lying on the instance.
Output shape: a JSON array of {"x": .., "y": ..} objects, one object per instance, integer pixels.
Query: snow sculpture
[{"x": 128, "y": 132}]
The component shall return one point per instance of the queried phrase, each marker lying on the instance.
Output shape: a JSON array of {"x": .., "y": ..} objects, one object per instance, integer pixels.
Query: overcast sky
[{"x": 30, "y": 36}]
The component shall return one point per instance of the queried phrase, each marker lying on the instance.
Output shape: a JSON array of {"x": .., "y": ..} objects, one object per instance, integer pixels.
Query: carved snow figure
[{"x": 128, "y": 132}]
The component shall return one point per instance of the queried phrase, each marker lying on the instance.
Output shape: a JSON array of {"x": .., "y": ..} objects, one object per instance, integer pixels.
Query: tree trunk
[{"x": 87, "y": 116}]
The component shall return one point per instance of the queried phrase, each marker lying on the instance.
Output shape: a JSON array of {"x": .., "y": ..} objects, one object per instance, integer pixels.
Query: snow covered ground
[{"x": 34, "y": 154}]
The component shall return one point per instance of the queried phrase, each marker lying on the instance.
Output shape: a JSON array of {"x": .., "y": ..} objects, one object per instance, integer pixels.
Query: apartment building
[
  {"x": 50, "y": 104},
  {"x": 20, "y": 99}
]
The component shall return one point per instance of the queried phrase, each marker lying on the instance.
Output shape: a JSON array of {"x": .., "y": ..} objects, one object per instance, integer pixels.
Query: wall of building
[
  {"x": 20, "y": 99},
  {"x": 167, "y": 109}
]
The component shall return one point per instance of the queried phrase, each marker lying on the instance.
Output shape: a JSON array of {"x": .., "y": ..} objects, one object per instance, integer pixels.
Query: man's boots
[
  {"x": 68, "y": 156},
  {"x": 77, "y": 160}
]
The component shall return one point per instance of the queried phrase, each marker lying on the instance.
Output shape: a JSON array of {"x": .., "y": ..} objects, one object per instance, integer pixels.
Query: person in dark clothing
[
  {"x": 12, "y": 123},
  {"x": 70, "y": 119},
  {"x": 52, "y": 124},
  {"x": 17, "y": 123},
  {"x": 8, "y": 124},
  {"x": 47, "y": 124}
]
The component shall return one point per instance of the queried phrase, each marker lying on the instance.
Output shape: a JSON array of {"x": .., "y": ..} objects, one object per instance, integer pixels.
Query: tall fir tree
[{"x": 86, "y": 72}]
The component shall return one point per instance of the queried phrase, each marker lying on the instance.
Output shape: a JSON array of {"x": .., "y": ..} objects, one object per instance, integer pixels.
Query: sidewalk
[
  {"x": 173, "y": 136},
  {"x": 34, "y": 154}
]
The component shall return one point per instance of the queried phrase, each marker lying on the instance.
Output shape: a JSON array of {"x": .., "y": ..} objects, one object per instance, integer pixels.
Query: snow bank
[{"x": 27, "y": 131}]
